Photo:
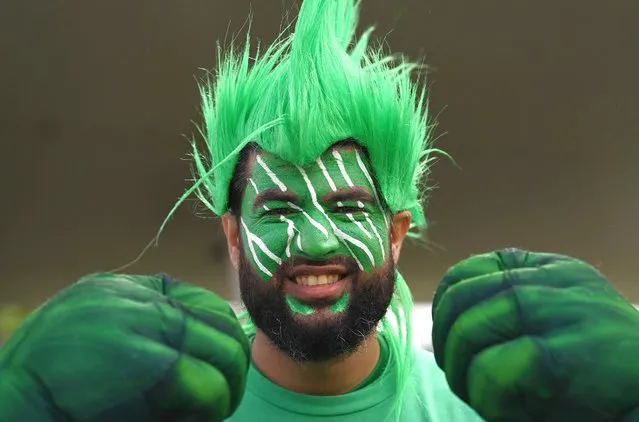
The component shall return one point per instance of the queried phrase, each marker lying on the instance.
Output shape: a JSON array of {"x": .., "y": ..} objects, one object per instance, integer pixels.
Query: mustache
[{"x": 287, "y": 266}]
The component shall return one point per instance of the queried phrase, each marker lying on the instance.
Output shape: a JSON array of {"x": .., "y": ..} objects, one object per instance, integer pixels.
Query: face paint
[
  {"x": 341, "y": 305},
  {"x": 299, "y": 307},
  {"x": 326, "y": 209},
  {"x": 308, "y": 333}
]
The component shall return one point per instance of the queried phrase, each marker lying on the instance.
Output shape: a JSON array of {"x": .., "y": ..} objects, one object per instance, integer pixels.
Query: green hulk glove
[
  {"x": 125, "y": 348},
  {"x": 537, "y": 337}
]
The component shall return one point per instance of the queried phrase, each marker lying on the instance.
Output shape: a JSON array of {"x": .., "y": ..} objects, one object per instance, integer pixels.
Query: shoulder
[
  {"x": 433, "y": 390},
  {"x": 429, "y": 376},
  {"x": 425, "y": 364}
]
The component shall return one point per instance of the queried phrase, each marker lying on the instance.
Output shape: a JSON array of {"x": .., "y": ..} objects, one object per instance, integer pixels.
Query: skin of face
[
  {"x": 319, "y": 212},
  {"x": 326, "y": 213}
]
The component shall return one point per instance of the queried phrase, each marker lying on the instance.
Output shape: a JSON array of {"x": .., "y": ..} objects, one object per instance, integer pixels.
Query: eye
[
  {"x": 349, "y": 210},
  {"x": 278, "y": 211}
]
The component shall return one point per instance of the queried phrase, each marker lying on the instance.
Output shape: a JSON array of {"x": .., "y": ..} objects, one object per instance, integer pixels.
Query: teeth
[{"x": 316, "y": 280}]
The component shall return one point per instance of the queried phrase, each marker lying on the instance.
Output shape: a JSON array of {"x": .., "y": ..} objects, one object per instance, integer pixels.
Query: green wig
[
  {"x": 308, "y": 90},
  {"x": 311, "y": 88}
]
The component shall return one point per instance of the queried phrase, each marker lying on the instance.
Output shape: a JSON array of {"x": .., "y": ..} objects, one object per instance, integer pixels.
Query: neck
[{"x": 315, "y": 378}]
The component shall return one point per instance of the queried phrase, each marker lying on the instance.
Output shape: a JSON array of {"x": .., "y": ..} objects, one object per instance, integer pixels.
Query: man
[
  {"x": 317, "y": 250},
  {"x": 317, "y": 150}
]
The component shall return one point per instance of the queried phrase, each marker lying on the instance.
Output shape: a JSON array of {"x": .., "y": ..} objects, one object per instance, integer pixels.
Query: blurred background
[{"x": 537, "y": 101}]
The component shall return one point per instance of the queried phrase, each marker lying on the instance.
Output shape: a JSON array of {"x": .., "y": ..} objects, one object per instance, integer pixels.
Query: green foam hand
[
  {"x": 125, "y": 348},
  {"x": 537, "y": 337}
]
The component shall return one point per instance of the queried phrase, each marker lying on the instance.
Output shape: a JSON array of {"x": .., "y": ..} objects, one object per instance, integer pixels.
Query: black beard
[{"x": 322, "y": 337}]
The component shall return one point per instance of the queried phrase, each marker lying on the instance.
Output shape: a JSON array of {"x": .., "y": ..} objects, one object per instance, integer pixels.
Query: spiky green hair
[{"x": 308, "y": 90}]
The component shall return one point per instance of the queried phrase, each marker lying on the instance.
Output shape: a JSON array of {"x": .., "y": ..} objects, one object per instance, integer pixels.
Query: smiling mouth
[
  {"x": 317, "y": 280},
  {"x": 317, "y": 275},
  {"x": 313, "y": 283}
]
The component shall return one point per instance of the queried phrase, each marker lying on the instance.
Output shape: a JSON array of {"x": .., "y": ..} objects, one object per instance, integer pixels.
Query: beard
[{"x": 323, "y": 336}]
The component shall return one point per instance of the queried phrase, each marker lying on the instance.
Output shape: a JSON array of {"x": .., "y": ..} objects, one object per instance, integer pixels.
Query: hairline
[{"x": 246, "y": 162}]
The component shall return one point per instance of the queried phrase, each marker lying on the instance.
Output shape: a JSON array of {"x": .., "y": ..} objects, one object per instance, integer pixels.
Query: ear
[
  {"x": 400, "y": 224},
  {"x": 232, "y": 233}
]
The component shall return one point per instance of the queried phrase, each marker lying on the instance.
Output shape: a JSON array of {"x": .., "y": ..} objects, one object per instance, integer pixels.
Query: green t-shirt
[{"x": 426, "y": 398}]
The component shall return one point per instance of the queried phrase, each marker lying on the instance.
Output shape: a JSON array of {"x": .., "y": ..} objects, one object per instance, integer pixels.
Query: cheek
[
  {"x": 265, "y": 245},
  {"x": 373, "y": 237},
  {"x": 270, "y": 233},
  {"x": 276, "y": 238}
]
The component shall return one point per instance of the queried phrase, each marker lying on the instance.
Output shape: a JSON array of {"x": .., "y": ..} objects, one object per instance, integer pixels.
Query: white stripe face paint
[
  {"x": 270, "y": 174},
  {"x": 328, "y": 177},
  {"x": 290, "y": 231},
  {"x": 257, "y": 191},
  {"x": 340, "y": 234},
  {"x": 352, "y": 218},
  {"x": 371, "y": 184},
  {"x": 254, "y": 185},
  {"x": 299, "y": 219},
  {"x": 252, "y": 240},
  {"x": 256, "y": 259},
  {"x": 362, "y": 167},
  {"x": 342, "y": 169},
  {"x": 257, "y": 241},
  {"x": 359, "y": 225},
  {"x": 313, "y": 221},
  {"x": 379, "y": 238}
]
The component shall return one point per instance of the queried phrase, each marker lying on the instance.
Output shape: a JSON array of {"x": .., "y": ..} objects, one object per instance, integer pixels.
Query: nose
[
  {"x": 317, "y": 246},
  {"x": 315, "y": 242}
]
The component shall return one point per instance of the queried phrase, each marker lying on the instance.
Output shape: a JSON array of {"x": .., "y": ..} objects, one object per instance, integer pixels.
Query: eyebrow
[
  {"x": 355, "y": 193},
  {"x": 274, "y": 194}
]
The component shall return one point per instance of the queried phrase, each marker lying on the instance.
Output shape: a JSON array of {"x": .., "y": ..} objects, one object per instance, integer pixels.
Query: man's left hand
[{"x": 537, "y": 337}]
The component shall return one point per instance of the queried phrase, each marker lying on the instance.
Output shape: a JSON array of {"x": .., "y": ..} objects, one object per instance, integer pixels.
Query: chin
[{"x": 321, "y": 317}]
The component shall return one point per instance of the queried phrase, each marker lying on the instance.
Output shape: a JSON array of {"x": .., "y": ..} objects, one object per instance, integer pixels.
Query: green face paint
[
  {"x": 326, "y": 209},
  {"x": 303, "y": 309},
  {"x": 299, "y": 307},
  {"x": 341, "y": 305}
]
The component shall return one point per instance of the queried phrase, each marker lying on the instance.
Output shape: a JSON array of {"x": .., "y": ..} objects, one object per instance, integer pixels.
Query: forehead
[{"x": 347, "y": 160}]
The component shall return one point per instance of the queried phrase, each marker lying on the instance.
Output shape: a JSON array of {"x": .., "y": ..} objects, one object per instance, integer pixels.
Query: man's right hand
[{"x": 125, "y": 348}]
